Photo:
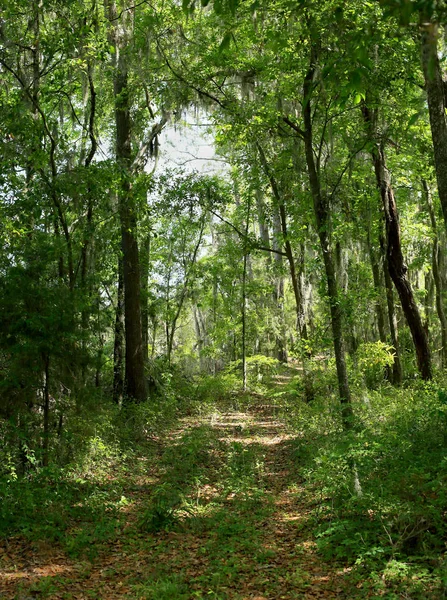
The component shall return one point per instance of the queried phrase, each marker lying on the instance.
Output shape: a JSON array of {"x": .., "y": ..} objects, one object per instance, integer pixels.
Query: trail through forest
[{"x": 216, "y": 511}]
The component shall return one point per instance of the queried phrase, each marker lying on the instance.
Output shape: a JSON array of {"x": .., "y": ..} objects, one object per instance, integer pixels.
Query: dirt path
[{"x": 220, "y": 514}]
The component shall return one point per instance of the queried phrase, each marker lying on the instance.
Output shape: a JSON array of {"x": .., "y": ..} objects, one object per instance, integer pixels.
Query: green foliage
[
  {"x": 372, "y": 359},
  {"x": 192, "y": 459},
  {"x": 381, "y": 487},
  {"x": 216, "y": 391},
  {"x": 245, "y": 466},
  {"x": 216, "y": 258},
  {"x": 162, "y": 514},
  {"x": 259, "y": 368},
  {"x": 165, "y": 588}
]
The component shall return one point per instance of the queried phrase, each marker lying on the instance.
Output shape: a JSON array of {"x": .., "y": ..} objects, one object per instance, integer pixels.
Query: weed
[{"x": 166, "y": 588}]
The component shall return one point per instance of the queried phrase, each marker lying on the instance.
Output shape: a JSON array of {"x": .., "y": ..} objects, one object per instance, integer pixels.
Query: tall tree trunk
[
  {"x": 145, "y": 255},
  {"x": 436, "y": 250},
  {"x": 118, "y": 349},
  {"x": 392, "y": 318},
  {"x": 135, "y": 381},
  {"x": 378, "y": 287},
  {"x": 296, "y": 278},
  {"x": 397, "y": 267},
  {"x": 322, "y": 217},
  {"x": 86, "y": 249},
  {"x": 262, "y": 222},
  {"x": 352, "y": 341},
  {"x": 393, "y": 374},
  {"x": 244, "y": 300},
  {"x": 436, "y": 99},
  {"x": 301, "y": 325},
  {"x": 395, "y": 260},
  {"x": 244, "y": 322},
  {"x": 278, "y": 292},
  {"x": 200, "y": 336},
  {"x": 46, "y": 410},
  {"x": 429, "y": 286}
]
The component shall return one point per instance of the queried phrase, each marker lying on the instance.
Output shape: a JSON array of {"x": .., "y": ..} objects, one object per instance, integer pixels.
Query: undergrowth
[
  {"x": 378, "y": 494},
  {"x": 381, "y": 490}
]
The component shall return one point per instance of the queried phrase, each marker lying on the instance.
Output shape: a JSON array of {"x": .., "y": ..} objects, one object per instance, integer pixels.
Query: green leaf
[
  {"x": 413, "y": 119},
  {"x": 232, "y": 5},
  {"x": 225, "y": 43}
]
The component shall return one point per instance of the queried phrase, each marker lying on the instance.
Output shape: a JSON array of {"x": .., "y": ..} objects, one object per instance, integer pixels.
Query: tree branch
[
  {"x": 139, "y": 159},
  {"x": 242, "y": 235},
  {"x": 294, "y": 126}
]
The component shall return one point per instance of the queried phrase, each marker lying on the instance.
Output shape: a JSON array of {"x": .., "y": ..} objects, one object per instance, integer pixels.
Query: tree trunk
[
  {"x": 262, "y": 222},
  {"x": 352, "y": 341},
  {"x": 135, "y": 380},
  {"x": 397, "y": 267},
  {"x": 322, "y": 217},
  {"x": 244, "y": 323},
  {"x": 392, "y": 319},
  {"x": 278, "y": 292},
  {"x": 200, "y": 336},
  {"x": 429, "y": 286},
  {"x": 301, "y": 325},
  {"x": 436, "y": 275},
  {"x": 46, "y": 411},
  {"x": 118, "y": 349},
  {"x": 244, "y": 301},
  {"x": 395, "y": 263},
  {"x": 436, "y": 99},
  {"x": 145, "y": 255},
  {"x": 378, "y": 287}
]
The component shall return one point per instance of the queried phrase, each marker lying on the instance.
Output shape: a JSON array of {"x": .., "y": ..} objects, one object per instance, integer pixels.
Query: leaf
[
  {"x": 355, "y": 79},
  {"x": 225, "y": 43},
  {"x": 232, "y": 5},
  {"x": 412, "y": 120}
]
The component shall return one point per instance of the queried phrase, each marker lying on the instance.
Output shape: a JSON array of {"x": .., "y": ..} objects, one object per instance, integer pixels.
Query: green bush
[
  {"x": 372, "y": 359},
  {"x": 384, "y": 486}
]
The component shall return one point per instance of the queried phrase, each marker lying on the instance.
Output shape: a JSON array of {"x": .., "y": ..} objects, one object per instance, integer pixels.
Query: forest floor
[{"x": 216, "y": 510}]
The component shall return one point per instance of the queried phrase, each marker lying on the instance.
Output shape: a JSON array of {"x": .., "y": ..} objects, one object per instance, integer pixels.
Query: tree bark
[
  {"x": 436, "y": 250},
  {"x": 301, "y": 324},
  {"x": 118, "y": 349},
  {"x": 135, "y": 381},
  {"x": 380, "y": 312},
  {"x": 395, "y": 263},
  {"x": 46, "y": 410},
  {"x": 322, "y": 217},
  {"x": 392, "y": 319},
  {"x": 262, "y": 222},
  {"x": 145, "y": 256},
  {"x": 436, "y": 99},
  {"x": 278, "y": 291},
  {"x": 429, "y": 286},
  {"x": 244, "y": 322},
  {"x": 397, "y": 267}
]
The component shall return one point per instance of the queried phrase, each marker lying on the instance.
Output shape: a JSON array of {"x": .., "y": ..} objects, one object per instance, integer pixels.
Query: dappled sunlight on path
[{"x": 240, "y": 529}]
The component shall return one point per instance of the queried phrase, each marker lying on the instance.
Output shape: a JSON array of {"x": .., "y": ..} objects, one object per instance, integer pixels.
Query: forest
[{"x": 223, "y": 376}]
